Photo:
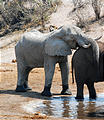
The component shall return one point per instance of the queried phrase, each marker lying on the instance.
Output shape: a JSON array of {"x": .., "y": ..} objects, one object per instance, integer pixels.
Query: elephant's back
[
  {"x": 31, "y": 49},
  {"x": 32, "y": 38},
  {"x": 29, "y": 42}
]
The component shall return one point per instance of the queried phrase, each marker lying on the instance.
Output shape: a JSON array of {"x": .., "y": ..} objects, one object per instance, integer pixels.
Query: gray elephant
[
  {"x": 36, "y": 49},
  {"x": 85, "y": 70}
]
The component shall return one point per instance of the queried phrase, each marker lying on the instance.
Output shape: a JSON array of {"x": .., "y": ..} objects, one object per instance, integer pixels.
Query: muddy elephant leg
[
  {"x": 92, "y": 91},
  {"x": 80, "y": 87},
  {"x": 22, "y": 78},
  {"x": 49, "y": 67},
  {"x": 65, "y": 75}
]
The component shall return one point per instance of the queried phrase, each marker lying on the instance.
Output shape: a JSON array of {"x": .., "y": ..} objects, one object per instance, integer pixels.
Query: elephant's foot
[
  {"x": 21, "y": 88},
  {"x": 93, "y": 97},
  {"x": 27, "y": 87},
  {"x": 66, "y": 90},
  {"x": 46, "y": 92},
  {"x": 79, "y": 97}
]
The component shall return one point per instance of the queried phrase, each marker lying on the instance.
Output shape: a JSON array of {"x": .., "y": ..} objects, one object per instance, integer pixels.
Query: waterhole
[{"x": 68, "y": 107}]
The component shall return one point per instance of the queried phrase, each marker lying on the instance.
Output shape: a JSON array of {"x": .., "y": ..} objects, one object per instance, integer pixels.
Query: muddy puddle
[{"x": 68, "y": 107}]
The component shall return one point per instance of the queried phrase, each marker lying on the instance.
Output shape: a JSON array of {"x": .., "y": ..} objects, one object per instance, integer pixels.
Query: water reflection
[{"x": 68, "y": 107}]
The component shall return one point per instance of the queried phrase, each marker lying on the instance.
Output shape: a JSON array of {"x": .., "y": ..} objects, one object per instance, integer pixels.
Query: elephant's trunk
[
  {"x": 72, "y": 67},
  {"x": 95, "y": 49},
  {"x": 98, "y": 38}
]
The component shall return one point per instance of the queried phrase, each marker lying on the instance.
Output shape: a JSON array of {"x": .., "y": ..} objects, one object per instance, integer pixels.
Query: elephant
[
  {"x": 36, "y": 49},
  {"x": 85, "y": 70}
]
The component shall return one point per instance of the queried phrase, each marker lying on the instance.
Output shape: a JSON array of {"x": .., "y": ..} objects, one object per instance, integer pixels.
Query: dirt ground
[{"x": 11, "y": 101}]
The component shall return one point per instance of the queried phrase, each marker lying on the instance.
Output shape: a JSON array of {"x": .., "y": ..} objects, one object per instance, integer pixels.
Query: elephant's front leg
[
  {"x": 65, "y": 76},
  {"x": 49, "y": 67},
  {"x": 92, "y": 91}
]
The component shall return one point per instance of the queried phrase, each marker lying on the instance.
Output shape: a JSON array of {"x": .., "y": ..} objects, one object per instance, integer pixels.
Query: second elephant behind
[{"x": 85, "y": 71}]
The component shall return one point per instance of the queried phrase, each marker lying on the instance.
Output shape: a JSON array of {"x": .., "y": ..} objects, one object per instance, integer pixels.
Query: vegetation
[{"x": 21, "y": 14}]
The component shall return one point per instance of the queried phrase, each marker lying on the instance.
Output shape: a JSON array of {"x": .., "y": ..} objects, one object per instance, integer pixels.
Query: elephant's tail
[
  {"x": 72, "y": 67},
  {"x": 95, "y": 49}
]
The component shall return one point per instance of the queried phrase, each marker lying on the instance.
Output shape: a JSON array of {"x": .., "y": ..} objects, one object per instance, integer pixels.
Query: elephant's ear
[{"x": 57, "y": 48}]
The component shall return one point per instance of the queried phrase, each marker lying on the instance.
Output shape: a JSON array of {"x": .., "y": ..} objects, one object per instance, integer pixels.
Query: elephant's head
[{"x": 62, "y": 40}]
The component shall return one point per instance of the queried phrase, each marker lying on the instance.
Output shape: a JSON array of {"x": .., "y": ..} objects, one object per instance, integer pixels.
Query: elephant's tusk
[
  {"x": 86, "y": 46},
  {"x": 98, "y": 38}
]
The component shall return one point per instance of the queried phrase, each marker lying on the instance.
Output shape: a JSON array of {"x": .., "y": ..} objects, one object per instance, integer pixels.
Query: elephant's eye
[{"x": 72, "y": 38}]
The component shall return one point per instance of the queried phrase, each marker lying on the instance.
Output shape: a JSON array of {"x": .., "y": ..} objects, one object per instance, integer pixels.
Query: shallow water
[{"x": 66, "y": 106}]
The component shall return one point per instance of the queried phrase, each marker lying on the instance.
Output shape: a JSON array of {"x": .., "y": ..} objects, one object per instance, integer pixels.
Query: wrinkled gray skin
[
  {"x": 85, "y": 70},
  {"x": 36, "y": 50}
]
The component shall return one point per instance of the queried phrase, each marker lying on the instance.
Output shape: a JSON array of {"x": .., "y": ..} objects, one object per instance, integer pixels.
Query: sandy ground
[{"x": 10, "y": 101}]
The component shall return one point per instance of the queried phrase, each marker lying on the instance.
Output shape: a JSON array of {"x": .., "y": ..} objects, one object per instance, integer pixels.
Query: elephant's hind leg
[
  {"x": 22, "y": 83},
  {"x": 27, "y": 70}
]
